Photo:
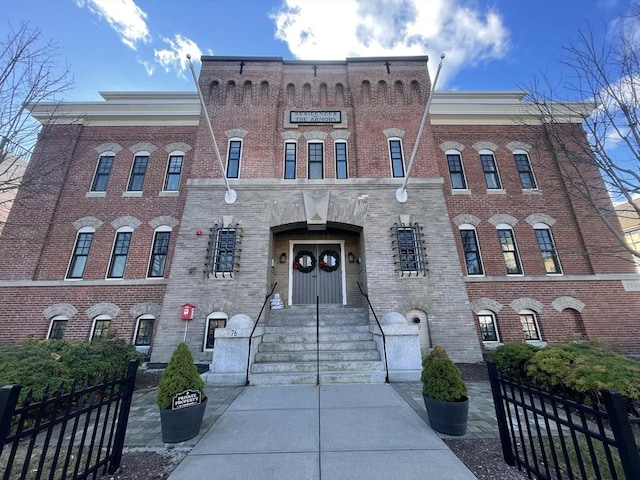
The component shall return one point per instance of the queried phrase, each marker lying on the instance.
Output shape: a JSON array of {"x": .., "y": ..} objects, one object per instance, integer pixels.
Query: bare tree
[
  {"x": 29, "y": 75},
  {"x": 603, "y": 72}
]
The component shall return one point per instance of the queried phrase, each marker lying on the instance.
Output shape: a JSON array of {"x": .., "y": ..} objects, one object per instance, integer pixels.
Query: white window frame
[
  {"x": 165, "y": 183},
  {"x": 234, "y": 139},
  {"x": 162, "y": 228},
  {"x": 95, "y": 173},
  {"x": 544, "y": 226},
  {"x": 489, "y": 343},
  {"x": 144, "y": 349},
  {"x": 468, "y": 226},
  {"x": 346, "y": 158},
  {"x": 295, "y": 161},
  {"x": 534, "y": 341},
  {"x": 324, "y": 155},
  {"x": 57, "y": 318},
  {"x": 146, "y": 169},
  {"x": 95, "y": 322},
  {"x": 464, "y": 174},
  {"x": 505, "y": 226},
  {"x": 83, "y": 230},
  {"x": 500, "y": 186},
  {"x": 113, "y": 249},
  {"x": 212, "y": 316},
  {"x": 533, "y": 175},
  {"x": 404, "y": 168}
]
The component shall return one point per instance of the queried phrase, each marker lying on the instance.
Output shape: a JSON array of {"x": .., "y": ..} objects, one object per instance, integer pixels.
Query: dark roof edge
[{"x": 214, "y": 58}]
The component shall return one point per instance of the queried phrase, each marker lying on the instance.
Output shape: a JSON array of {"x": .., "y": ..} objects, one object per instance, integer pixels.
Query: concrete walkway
[{"x": 329, "y": 432}]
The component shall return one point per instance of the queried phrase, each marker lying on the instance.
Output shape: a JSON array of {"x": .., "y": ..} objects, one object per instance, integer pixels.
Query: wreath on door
[
  {"x": 301, "y": 268},
  {"x": 329, "y": 266}
]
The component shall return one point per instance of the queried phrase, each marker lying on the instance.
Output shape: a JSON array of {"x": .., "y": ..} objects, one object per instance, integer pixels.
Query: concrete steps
[{"x": 288, "y": 352}]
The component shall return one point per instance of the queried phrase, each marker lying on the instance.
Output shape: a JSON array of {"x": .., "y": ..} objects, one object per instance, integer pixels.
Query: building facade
[{"x": 143, "y": 216}]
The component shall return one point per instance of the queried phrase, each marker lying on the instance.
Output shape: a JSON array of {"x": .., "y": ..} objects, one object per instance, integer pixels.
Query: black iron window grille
[
  {"x": 409, "y": 256},
  {"x": 223, "y": 251}
]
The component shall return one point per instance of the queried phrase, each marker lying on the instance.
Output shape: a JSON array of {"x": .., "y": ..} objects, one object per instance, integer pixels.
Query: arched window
[
  {"x": 103, "y": 170},
  {"x": 509, "y": 249},
  {"x": 547, "y": 248},
  {"x": 488, "y": 326},
  {"x": 80, "y": 254},
  {"x": 174, "y": 172},
  {"x": 490, "y": 169},
  {"x": 100, "y": 327},
  {"x": 159, "y": 252},
  {"x": 471, "y": 249},
  {"x": 57, "y": 327},
  {"x": 523, "y": 164},
  {"x": 120, "y": 252},
  {"x": 138, "y": 172},
  {"x": 144, "y": 333},
  {"x": 530, "y": 327},
  {"x": 290, "y": 159},
  {"x": 456, "y": 170},
  {"x": 215, "y": 320}
]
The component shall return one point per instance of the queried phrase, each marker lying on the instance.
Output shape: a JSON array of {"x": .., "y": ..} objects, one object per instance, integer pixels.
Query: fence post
[
  {"x": 621, "y": 428},
  {"x": 8, "y": 400},
  {"x": 123, "y": 418},
  {"x": 501, "y": 415}
]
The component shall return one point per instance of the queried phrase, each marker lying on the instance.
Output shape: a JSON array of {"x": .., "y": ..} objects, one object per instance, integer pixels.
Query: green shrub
[
  {"x": 441, "y": 379},
  {"x": 587, "y": 368},
  {"x": 512, "y": 359},
  {"x": 181, "y": 374},
  {"x": 41, "y": 364}
]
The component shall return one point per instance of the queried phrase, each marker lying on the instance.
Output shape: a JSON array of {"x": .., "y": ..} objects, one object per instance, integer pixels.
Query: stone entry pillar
[{"x": 403, "y": 347}]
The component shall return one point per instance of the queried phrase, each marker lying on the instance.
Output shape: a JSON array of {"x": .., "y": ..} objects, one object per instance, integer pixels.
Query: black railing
[
  {"x": 557, "y": 435},
  {"x": 384, "y": 340},
  {"x": 73, "y": 435},
  {"x": 317, "y": 340},
  {"x": 255, "y": 325}
]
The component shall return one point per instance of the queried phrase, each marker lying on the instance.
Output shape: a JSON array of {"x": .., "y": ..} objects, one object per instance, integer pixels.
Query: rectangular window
[
  {"x": 341, "y": 160},
  {"x": 290, "y": 154},
  {"x": 174, "y": 171},
  {"x": 409, "y": 249},
  {"x": 529, "y": 327},
  {"x": 524, "y": 170},
  {"x": 316, "y": 159},
  {"x": 159, "y": 254},
  {"x": 488, "y": 328},
  {"x": 100, "y": 330},
  {"x": 397, "y": 162},
  {"x": 144, "y": 332},
  {"x": 138, "y": 171},
  {"x": 490, "y": 171},
  {"x": 225, "y": 250},
  {"x": 119, "y": 255},
  {"x": 509, "y": 252},
  {"x": 103, "y": 171},
  {"x": 57, "y": 329},
  {"x": 455, "y": 172},
  {"x": 233, "y": 159},
  {"x": 471, "y": 252},
  {"x": 548, "y": 250},
  {"x": 80, "y": 255},
  {"x": 633, "y": 240}
]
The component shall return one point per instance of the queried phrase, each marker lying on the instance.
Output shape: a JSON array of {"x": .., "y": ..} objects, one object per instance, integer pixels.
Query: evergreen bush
[
  {"x": 441, "y": 379},
  {"x": 512, "y": 359},
  {"x": 181, "y": 374}
]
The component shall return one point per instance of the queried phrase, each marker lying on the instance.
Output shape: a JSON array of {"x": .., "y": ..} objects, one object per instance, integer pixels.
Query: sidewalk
[{"x": 307, "y": 432}]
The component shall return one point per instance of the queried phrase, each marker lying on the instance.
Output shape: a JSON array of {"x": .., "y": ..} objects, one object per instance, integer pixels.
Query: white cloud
[
  {"x": 336, "y": 29},
  {"x": 124, "y": 16},
  {"x": 175, "y": 57}
]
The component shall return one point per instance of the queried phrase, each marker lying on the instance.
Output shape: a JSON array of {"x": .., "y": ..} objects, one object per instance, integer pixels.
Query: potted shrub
[
  {"x": 444, "y": 393},
  {"x": 181, "y": 397}
]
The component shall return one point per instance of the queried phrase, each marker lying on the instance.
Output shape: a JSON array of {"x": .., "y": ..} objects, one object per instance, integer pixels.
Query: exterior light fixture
[
  {"x": 351, "y": 257},
  {"x": 283, "y": 258}
]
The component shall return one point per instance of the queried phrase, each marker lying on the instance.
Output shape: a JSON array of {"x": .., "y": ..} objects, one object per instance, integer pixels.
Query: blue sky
[{"x": 115, "y": 45}]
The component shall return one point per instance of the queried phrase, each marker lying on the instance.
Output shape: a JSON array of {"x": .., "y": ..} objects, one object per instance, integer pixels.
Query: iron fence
[
  {"x": 75, "y": 435},
  {"x": 559, "y": 434}
]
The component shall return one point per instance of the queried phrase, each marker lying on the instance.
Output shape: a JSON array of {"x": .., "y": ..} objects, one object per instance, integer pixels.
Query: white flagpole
[
  {"x": 401, "y": 193},
  {"x": 230, "y": 196}
]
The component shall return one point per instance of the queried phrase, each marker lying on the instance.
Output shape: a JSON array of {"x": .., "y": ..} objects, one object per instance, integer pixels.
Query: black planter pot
[
  {"x": 447, "y": 417},
  {"x": 182, "y": 424}
]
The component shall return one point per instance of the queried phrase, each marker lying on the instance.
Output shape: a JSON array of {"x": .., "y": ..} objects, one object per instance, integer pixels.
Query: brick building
[{"x": 489, "y": 247}]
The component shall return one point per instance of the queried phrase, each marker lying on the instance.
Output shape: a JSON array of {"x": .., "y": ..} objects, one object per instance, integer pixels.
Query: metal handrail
[
  {"x": 255, "y": 325},
  {"x": 317, "y": 340},
  {"x": 384, "y": 339}
]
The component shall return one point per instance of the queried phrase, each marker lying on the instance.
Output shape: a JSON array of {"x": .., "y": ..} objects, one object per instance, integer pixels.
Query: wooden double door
[{"x": 317, "y": 272}]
